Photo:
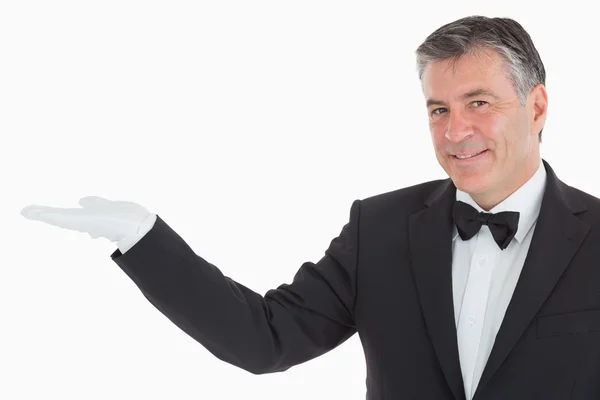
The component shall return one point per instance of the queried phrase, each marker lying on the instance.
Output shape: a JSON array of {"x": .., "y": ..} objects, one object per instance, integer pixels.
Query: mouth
[{"x": 469, "y": 157}]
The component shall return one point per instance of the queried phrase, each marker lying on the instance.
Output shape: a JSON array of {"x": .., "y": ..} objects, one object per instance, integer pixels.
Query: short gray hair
[{"x": 506, "y": 36}]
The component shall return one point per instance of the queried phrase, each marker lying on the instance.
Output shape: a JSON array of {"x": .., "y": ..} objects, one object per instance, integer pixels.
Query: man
[{"x": 482, "y": 286}]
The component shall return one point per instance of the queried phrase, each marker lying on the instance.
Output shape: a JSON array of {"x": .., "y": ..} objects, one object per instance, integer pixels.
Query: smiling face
[{"x": 473, "y": 107}]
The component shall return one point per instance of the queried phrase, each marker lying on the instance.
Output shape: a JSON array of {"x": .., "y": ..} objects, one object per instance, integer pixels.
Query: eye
[
  {"x": 434, "y": 112},
  {"x": 437, "y": 111}
]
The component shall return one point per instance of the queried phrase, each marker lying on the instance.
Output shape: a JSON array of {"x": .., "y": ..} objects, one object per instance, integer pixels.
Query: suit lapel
[
  {"x": 557, "y": 237},
  {"x": 431, "y": 251}
]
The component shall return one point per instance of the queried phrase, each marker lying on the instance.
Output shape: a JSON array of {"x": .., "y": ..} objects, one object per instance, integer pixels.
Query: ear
[{"x": 538, "y": 108}]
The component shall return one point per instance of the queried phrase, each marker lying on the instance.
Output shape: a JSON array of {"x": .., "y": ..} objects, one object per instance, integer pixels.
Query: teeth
[{"x": 469, "y": 156}]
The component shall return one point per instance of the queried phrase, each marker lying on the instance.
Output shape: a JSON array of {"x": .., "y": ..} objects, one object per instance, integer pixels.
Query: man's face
[{"x": 464, "y": 120}]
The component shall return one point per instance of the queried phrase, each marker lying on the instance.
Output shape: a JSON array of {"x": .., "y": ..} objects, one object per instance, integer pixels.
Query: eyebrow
[{"x": 469, "y": 94}]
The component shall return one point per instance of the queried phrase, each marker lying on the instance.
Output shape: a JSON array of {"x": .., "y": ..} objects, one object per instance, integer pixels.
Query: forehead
[{"x": 446, "y": 79}]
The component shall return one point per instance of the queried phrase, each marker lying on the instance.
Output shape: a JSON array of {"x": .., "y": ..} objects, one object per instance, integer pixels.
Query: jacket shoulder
[{"x": 404, "y": 200}]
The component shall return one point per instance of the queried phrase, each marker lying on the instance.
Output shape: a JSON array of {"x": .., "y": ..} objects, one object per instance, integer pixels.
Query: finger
[
  {"x": 32, "y": 211},
  {"x": 95, "y": 202},
  {"x": 77, "y": 219}
]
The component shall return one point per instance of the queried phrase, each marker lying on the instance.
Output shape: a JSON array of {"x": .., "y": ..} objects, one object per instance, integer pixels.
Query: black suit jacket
[{"x": 388, "y": 277}]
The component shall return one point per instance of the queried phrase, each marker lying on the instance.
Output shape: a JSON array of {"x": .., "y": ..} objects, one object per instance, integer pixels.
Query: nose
[{"x": 459, "y": 127}]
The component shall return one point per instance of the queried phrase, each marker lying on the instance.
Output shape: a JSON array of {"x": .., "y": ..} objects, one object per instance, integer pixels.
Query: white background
[{"x": 249, "y": 127}]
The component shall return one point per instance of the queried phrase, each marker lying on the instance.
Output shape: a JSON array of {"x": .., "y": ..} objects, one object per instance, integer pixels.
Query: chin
[{"x": 469, "y": 184}]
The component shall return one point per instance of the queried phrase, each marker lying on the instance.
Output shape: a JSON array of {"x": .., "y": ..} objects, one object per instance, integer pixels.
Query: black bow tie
[{"x": 468, "y": 220}]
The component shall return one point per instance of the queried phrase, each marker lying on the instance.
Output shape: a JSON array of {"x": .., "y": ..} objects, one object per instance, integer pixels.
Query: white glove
[{"x": 123, "y": 222}]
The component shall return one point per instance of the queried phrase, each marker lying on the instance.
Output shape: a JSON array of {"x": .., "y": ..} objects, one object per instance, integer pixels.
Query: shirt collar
[{"x": 527, "y": 200}]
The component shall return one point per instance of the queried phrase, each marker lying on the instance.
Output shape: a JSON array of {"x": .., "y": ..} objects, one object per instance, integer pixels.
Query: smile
[{"x": 469, "y": 157}]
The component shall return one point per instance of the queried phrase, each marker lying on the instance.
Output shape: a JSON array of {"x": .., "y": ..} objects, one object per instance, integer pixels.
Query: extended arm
[
  {"x": 289, "y": 325},
  {"x": 262, "y": 334}
]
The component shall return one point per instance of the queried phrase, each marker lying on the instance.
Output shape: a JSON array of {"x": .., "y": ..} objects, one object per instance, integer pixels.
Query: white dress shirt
[{"x": 484, "y": 277}]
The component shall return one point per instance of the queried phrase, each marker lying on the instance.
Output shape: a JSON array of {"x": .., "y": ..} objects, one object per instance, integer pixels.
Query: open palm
[{"x": 99, "y": 217}]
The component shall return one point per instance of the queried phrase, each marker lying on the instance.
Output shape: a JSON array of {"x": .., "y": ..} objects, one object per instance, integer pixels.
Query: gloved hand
[{"x": 123, "y": 222}]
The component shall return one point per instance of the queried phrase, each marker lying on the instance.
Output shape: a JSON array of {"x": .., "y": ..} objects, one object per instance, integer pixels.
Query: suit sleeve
[{"x": 287, "y": 326}]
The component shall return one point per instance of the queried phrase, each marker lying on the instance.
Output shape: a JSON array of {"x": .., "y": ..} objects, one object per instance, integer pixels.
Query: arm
[{"x": 262, "y": 334}]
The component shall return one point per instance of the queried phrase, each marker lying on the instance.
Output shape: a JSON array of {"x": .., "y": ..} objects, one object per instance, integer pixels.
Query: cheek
[
  {"x": 492, "y": 130},
  {"x": 439, "y": 142},
  {"x": 436, "y": 124},
  {"x": 437, "y": 132},
  {"x": 507, "y": 137},
  {"x": 487, "y": 122}
]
